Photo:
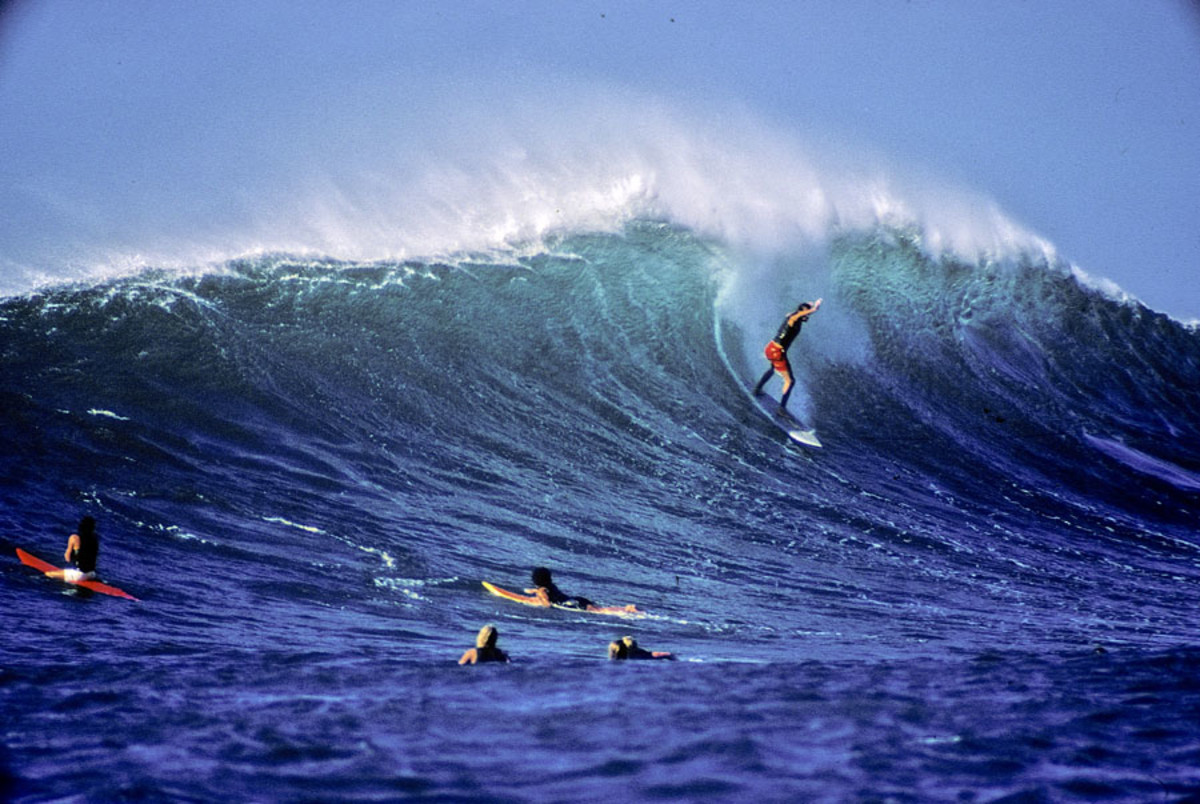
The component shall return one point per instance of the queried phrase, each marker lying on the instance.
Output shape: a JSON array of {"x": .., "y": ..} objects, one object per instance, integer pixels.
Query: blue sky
[{"x": 124, "y": 121}]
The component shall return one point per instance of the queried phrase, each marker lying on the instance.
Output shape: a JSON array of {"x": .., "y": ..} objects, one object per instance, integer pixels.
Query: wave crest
[{"x": 473, "y": 182}]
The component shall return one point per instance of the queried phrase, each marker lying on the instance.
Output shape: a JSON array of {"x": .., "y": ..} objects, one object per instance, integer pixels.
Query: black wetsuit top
[
  {"x": 787, "y": 333},
  {"x": 492, "y": 654},
  {"x": 85, "y": 556},
  {"x": 559, "y": 599}
]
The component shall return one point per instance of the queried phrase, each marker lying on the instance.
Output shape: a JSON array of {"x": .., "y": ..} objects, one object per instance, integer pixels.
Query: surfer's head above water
[
  {"x": 541, "y": 577},
  {"x": 487, "y": 637},
  {"x": 485, "y": 649}
]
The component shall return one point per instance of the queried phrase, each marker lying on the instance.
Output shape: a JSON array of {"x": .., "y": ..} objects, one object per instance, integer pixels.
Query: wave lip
[{"x": 508, "y": 182}]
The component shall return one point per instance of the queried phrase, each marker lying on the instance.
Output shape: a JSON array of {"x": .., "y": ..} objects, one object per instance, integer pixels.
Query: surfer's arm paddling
[
  {"x": 628, "y": 648},
  {"x": 542, "y": 594}
]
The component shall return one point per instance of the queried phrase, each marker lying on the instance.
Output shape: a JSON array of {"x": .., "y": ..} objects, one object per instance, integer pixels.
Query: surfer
[
  {"x": 627, "y": 648},
  {"x": 548, "y": 592},
  {"x": 545, "y": 590},
  {"x": 485, "y": 649},
  {"x": 83, "y": 548},
  {"x": 776, "y": 351}
]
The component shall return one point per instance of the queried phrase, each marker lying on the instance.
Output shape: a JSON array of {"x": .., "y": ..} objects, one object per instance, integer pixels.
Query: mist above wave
[{"x": 480, "y": 173}]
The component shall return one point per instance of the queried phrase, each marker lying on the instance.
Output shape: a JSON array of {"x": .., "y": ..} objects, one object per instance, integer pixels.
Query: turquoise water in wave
[{"x": 982, "y": 587}]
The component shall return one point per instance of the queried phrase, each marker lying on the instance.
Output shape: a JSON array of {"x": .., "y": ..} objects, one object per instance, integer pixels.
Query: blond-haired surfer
[
  {"x": 485, "y": 649},
  {"x": 627, "y": 648}
]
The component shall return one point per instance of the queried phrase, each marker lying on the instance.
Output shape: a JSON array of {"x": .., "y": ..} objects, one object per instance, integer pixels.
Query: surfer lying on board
[
  {"x": 83, "y": 548},
  {"x": 627, "y": 648},
  {"x": 485, "y": 649},
  {"x": 546, "y": 591},
  {"x": 776, "y": 351}
]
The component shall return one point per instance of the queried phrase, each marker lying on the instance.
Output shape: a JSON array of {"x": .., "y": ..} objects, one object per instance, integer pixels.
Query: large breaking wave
[{"x": 540, "y": 356}]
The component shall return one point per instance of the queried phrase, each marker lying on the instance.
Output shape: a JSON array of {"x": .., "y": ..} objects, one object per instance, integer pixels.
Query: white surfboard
[{"x": 789, "y": 423}]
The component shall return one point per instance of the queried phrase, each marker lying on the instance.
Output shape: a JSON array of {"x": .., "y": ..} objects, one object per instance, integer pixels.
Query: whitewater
[{"x": 308, "y": 437}]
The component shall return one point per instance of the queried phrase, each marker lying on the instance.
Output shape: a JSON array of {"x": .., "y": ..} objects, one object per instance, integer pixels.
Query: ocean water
[{"x": 983, "y": 587}]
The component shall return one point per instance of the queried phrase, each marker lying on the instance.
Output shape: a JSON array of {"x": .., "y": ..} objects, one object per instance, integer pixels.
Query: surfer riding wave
[{"x": 776, "y": 351}]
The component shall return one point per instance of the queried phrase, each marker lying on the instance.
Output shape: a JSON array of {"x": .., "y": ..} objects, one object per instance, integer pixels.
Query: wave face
[{"x": 305, "y": 466}]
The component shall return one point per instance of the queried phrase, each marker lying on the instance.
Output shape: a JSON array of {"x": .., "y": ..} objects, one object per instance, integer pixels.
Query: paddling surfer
[
  {"x": 545, "y": 590},
  {"x": 627, "y": 648},
  {"x": 776, "y": 351},
  {"x": 485, "y": 649},
  {"x": 83, "y": 548}
]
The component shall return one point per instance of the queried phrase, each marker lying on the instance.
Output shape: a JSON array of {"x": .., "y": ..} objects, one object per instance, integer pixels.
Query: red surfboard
[{"x": 47, "y": 568}]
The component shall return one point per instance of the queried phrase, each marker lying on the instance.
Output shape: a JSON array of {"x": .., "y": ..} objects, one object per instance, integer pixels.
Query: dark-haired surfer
[
  {"x": 548, "y": 592},
  {"x": 83, "y": 548},
  {"x": 485, "y": 649},
  {"x": 776, "y": 351}
]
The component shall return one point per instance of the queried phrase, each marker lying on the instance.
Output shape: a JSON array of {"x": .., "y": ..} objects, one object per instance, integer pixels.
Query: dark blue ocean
[{"x": 983, "y": 588}]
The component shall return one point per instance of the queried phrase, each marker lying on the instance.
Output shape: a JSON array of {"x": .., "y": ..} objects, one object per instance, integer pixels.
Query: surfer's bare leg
[
  {"x": 788, "y": 383},
  {"x": 758, "y": 389}
]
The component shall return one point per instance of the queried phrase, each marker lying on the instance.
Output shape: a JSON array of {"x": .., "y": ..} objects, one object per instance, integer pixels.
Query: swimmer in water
[
  {"x": 627, "y": 648},
  {"x": 485, "y": 649}
]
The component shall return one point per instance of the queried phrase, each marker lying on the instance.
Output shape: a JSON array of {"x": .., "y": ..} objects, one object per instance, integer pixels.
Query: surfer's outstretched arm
[
  {"x": 541, "y": 593},
  {"x": 72, "y": 546}
]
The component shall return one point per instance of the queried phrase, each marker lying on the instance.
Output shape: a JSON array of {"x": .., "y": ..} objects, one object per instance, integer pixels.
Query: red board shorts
[{"x": 777, "y": 356}]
